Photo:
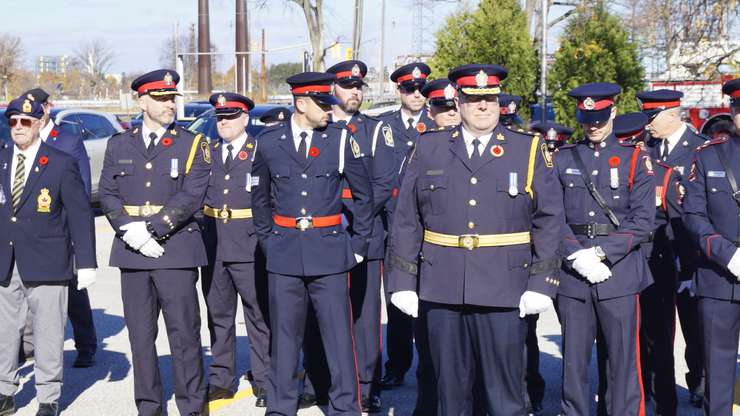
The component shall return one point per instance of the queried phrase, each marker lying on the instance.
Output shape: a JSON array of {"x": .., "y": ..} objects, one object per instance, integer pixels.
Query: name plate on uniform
[
  {"x": 716, "y": 174},
  {"x": 436, "y": 172},
  {"x": 571, "y": 171}
]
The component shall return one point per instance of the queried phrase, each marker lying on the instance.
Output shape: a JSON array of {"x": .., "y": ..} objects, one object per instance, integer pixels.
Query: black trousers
[
  {"x": 222, "y": 284},
  {"x": 720, "y": 322},
  {"x": 618, "y": 319},
  {"x": 688, "y": 317},
  {"x": 364, "y": 294},
  {"x": 172, "y": 291},
  {"x": 467, "y": 342},
  {"x": 81, "y": 318},
  {"x": 290, "y": 297}
]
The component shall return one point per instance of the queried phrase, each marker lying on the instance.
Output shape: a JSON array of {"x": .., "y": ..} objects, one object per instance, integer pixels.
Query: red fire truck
[{"x": 703, "y": 103}]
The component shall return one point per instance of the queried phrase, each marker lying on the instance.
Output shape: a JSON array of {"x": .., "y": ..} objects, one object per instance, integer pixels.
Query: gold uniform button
[
  {"x": 471, "y": 225},
  {"x": 148, "y": 184},
  {"x": 227, "y": 177},
  {"x": 148, "y": 165},
  {"x": 472, "y": 202},
  {"x": 226, "y": 191},
  {"x": 473, "y": 180}
]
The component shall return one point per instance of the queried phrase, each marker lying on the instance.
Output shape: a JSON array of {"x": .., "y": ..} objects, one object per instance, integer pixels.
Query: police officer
[
  {"x": 154, "y": 179},
  {"x": 407, "y": 123},
  {"x": 609, "y": 196},
  {"x": 231, "y": 242},
  {"x": 376, "y": 140},
  {"x": 44, "y": 211},
  {"x": 554, "y": 134},
  {"x": 440, "y": 95},
  {"x": 510, "y": 110},
  {"x": 79, "y": 312},
  {"x": 274, "y": 116},
  {"x": 296, "y": 198},
  {"x": 712, "y": 215},
  {"x": 673, "y": 263},
  {"x": 474, "y": 308}
]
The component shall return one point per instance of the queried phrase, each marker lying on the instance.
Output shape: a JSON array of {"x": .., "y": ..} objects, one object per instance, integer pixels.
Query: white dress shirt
[
  {"x": 145, "y": 132},
  {"x": 297, "y": 135},
  {"x": 673, "y": 139},
  {"x": 238, "y": 143},
  {"x": 405, "y": 116},
  {"x": 30, "y": 154},
  {"x": 46, "y": 130},
  {"x": 468, "y": 139}
]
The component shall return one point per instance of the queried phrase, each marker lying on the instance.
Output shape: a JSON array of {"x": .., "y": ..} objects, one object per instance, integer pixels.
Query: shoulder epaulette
[
  {"x": 625, "y": 143},
  {"x": 711, "y": 142},
  {"x": 520, "y": 130},
  {"x": 438, "y": 129}
]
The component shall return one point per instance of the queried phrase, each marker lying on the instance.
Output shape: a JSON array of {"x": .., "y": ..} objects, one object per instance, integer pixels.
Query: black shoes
[
  {"x": 534, "y": 409},
  {"x": 48, "y": 409},
  {"x": 84, "y": 360},
  {"x": 219, "y": 393},
  {"x": 7, "y": 405},
  {"x": 307, "y": 400},
  {"x": 261, "y": 395},
  {"x": 371, "y": 404},
  {"x": 390, "y": 381}
]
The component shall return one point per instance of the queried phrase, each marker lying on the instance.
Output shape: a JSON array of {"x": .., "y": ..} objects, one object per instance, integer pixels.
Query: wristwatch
[{"x": 600, "y": 252}]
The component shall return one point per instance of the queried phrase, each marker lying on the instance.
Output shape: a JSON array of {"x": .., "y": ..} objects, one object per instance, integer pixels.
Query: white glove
[
  {"x": 86, "y": 278},
  {"x": 359, "y": 258},
  {"x": 532, "y": 303},
  {"x": 734, "y": 265},
  {"x": 152, "y": 249},
  {"x": 135, "y": 234},
  {"x": 585, "y": 261},
  {"x": 407, "y": 301},
  {"x": 599, "y": 273},
  {"x": 686, "y": 285}
]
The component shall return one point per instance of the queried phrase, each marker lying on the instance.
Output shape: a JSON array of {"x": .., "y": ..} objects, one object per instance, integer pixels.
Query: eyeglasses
[
  {"x": 489, "y": 98},
  {"x": 234, "y": 116},
  {"x": 25, "y": 122},
  {"x": 409, "y": 89}
]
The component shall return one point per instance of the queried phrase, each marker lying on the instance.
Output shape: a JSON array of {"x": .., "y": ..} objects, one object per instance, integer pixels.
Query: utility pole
[
  {"x": 204, "y": 47},
  {"x": 382, "y": 47},
  {"x": 543, "y": 63},
  {"x": 357, "y": 32},
  {"x": 242, "y": 45},
  {"x": 263, "y": 68}
]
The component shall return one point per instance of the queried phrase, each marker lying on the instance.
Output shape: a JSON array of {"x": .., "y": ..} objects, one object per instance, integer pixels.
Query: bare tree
[
  {"x": 10, "y": 54},
  {"x": 94, "y": 60},
  {"x": 685, "y": 38},
  {"x": 314, "y": 13}
]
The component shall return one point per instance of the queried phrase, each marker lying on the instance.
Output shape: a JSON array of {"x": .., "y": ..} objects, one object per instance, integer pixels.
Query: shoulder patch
[
  {"x": 206, "y": 151},
  {"x": 355, "y": 147},
  {"x": 648, "y": 164},
  {"x": 387, "y": 135},
  {"x": 546, "y": 156}
]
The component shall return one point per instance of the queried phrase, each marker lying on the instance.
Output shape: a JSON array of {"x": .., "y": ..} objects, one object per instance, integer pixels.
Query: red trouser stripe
[{"x": 637, "y": 358}]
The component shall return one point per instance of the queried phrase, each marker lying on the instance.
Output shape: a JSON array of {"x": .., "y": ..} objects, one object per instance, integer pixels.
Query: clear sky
[{"x": 137, "y": 29}]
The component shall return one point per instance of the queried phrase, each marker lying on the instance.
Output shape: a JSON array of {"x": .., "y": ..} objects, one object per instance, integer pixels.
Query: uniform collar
[
  {"x": 674, "y": 138},
  {"x": 238, "y": 143},
  {"x": 145, "y": 132},
  {"x": 406, "y": 115},
  {"x": 46, "y": 130},
  {"x": 30, "y": 152}
]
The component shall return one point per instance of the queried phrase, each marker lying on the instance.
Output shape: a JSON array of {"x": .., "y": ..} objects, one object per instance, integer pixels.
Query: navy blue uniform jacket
[
  {"x": 285, "y": 186},
  {"x": 54, "y": 214}
]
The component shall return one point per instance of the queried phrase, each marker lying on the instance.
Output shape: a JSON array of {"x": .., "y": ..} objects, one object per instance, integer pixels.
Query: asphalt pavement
[{"x": 107, "y": 388}]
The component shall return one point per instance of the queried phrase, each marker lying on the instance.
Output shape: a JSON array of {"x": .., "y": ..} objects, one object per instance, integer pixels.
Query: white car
[{"x": 96, "y": 128}]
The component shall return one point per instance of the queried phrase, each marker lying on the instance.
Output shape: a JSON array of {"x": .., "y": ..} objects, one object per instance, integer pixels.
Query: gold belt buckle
[
  {"x": 304, "y": 223},
  {"x": 146, "y": 211},
  {"x": 468, "y": 241},
  {"x": 225, "y": 214}
]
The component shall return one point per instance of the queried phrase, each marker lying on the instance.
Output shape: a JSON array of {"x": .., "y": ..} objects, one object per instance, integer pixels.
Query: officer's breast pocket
[
  {"x": 618, "y": 197},
  {"x": 123, "y": 173},
  {"x": 512, "y": 200},
  {"x": 433, "y": 192},
  {"x": 327, "y": 181},
  {"x": 574, "y": 194},
  {"x": 719, "y": 198}
]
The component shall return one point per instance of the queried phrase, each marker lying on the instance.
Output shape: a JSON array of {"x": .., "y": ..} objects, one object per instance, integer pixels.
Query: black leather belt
[{"x": 592, "y": 229}]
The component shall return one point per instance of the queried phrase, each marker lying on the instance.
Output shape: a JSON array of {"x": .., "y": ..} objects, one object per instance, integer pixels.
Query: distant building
[{"x": 54, "y": 64}]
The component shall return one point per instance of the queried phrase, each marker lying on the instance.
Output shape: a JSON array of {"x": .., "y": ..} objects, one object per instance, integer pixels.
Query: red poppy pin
[
  {"x": 497, "y": 150},
  {"x": 352, "y": 128},
  {"x": 614, "y": 161},
  {"x": 421, "y": 127},
  {"x": 43, "y": 160},
  {"x": 394, "y": 193},
  {"x": 166, "y": 142},
  {"x": 243, "y": 155},
  {"x": 313, "y": 152},
  {"x": 54, "y": 133}
]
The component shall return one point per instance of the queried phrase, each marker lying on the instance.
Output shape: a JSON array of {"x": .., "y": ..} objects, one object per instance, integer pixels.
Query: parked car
[
  {"x": 95, "y": 127},
  {"x": 193, "y": 109},
  {"x": 206, "y": 122}
]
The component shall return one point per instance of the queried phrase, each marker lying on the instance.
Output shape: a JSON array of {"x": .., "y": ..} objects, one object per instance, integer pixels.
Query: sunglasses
[
  {"x": 409, "y": 89},
  {"x": 25, "y": 122},
  {"x": 490, "y": 98}
]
